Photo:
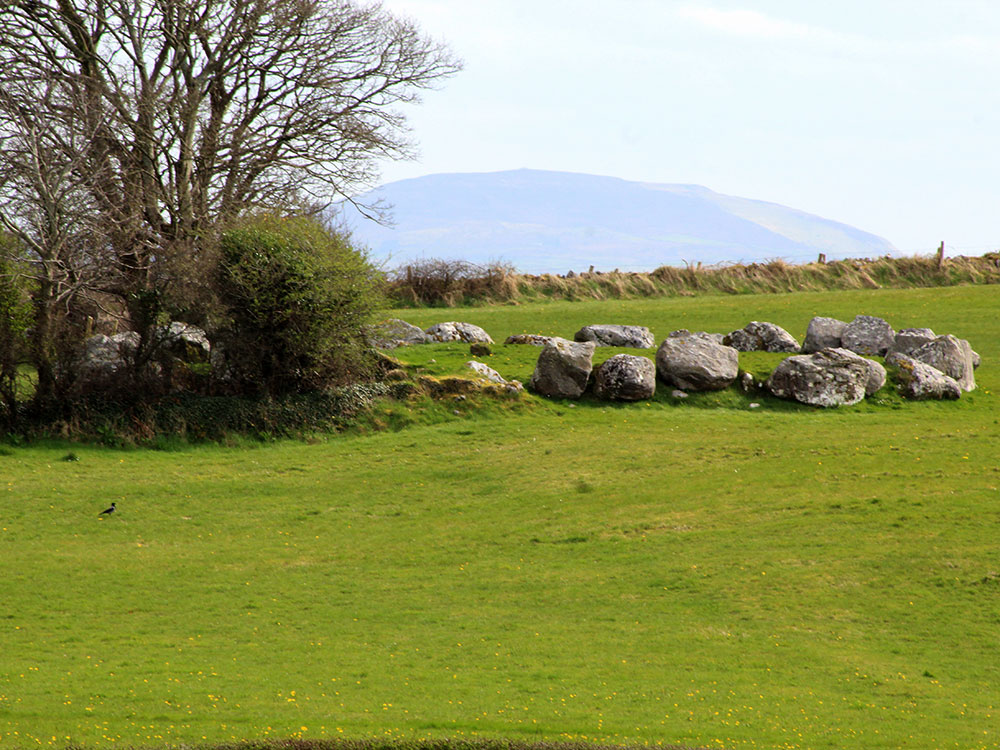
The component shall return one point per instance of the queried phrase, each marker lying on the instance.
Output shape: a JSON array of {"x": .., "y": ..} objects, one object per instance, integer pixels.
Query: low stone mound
[
  {"x": 827, "y": 378},
  {"x": 636, "y": 337},
  {"x": 823, "y": 333},
  {"x": 456, "y": 331},
  {"x": 625, "y": 377},
  {"x": 694, "y": 363},
  {"x": 758, "y": 336},
  {"x": 563, "y": 369}
]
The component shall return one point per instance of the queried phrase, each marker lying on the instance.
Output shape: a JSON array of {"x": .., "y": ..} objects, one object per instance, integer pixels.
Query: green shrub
[
  {"x": 15, "y": 317},
  {"x": 297, "y": 295}
]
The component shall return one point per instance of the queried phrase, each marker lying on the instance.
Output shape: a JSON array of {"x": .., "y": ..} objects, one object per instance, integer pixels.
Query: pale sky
[{"x": 883, "y": 114}]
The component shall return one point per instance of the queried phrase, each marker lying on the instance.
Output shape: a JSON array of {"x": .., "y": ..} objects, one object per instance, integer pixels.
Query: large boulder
[
  {"x": 908, "y": 340},
  {"x": 823, "y": 333},
  {"x": 694, "y": 363},
  {"x": 867, "y": 335},
  {"x": 455, "y": 331},
  {"x": 563, "y": 369},
  {"x": 183, "y": 341},
  {"x": 637, "y": 337},
  {"x": 829, "y": 377},
  {"x": 920, "y": 381},
  {"x": 394, "y": 332},
  {"x": 757, "y": 336},
  {"x": 950, "y": 355},
  {"x": 625, "y": 377},
  {"x": 105, "y": 355}
]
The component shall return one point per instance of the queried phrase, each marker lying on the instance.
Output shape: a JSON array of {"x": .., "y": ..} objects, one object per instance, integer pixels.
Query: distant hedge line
[{"x": 453, "y": 283}]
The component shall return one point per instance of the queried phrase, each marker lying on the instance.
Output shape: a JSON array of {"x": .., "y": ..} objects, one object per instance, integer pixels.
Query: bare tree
[{"x": 181, "y": 114}]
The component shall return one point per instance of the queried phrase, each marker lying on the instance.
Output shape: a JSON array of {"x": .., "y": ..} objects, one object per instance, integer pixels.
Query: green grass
[{"x": 661, "y": 572}]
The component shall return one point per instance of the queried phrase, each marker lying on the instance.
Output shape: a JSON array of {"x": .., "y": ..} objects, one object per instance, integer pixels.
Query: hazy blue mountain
[{"x": 556, "y": 221}]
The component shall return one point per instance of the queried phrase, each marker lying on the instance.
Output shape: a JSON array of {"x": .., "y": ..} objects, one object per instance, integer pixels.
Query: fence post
[{"x": 940, "y": 256}]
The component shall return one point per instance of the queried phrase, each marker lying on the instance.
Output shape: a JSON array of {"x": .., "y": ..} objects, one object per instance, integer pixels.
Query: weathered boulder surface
[
  {"x": 867, "y": 335},
  {"x": 532, "y": 339},
  {"x": 823, "y": 333},
  {"x": 105, "y": 355},
  {"x": 829, "y": 377},
  {"x": 637, "y": 337},
  {"x": 757, "y": 336},
  {"x": 455, "y": 331},
  {"x": 908, "y": 340},
  {"x": 694, "y": 363},
  {"x": 715, "y": 338},
  {"x": 950, "y": 355},
  {"x": 876, "y": 376},
  {"x": 394, "y": 332},
  {"x": 563, "y": 369},
  {"x": 485, "y": 371},
  {"x": 920, "y": 381},
  {"x": 625, "y": 377},
  {"x": 186, "y": 342}
]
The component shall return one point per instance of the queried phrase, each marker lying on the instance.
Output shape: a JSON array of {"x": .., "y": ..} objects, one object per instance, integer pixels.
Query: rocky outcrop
[
  {"x": 563, "y": 369},
  {"x": 920, "y": 381},
  {"x": 867, "y": 335},
  {"x": 823, "y": 333},
  {"x": 829, "y": 377},
  {"x": 455, "y": 331},
  {"x": 908, "y": 340},
  {"x": 950, "y": 355},
  {"x": 531, "y": 339},
  {"x": 636, "y": 337},
  {"x": 625, "y": 377},
  {"x": 757, "y": 336},
  {"x": 694, "y": 363},
  {"x": 393, "y": 333}
]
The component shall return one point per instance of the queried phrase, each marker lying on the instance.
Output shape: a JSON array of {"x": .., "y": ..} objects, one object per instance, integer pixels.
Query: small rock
[
  {"x": 487, "y": 372},
  {"x": 456, "y": 331},
  {"x": 754, "y": 405},
  {"x": 677, "y": 393},
  {"x": 480, "y": 350},
  {"x": 532, "y": 339}
]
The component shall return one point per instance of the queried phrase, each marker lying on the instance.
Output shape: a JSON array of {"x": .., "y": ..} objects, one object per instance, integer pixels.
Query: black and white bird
[{"x": 108, "y": 511}]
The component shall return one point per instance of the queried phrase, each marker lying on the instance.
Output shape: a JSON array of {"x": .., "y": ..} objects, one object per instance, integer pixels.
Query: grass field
[{"x": 691, "y": 572}]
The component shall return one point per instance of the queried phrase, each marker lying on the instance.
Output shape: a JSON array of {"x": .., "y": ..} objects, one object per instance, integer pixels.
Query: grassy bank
[
  {"x": 610, "y": 574},
  {"x": 449, "y": 284}
]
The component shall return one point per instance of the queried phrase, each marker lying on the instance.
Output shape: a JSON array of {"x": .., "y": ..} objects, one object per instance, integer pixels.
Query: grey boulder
[
  {"x": 920, "y": 381},
  {"x": 455, "y": 331},
  {"x": 693, "y": 363},
  {"x": 952, "y": 356},
  {"x": 823, "y": 333},
  {"x": 625, "y": 377},
  {"x": 394, "y": 332},
  {"x": 531, "y": 339},
  {"x": 563, "y": 369},
  {"x": 715, "y": 338},
  {"x": 184, "y": 341},
  {"x": 757, "y": 336},
  {"x": 908, "y": 340},
  {"x": 636, "y": 337},
  {"x": 867, "y": 335},
  {"x": 829, "y": 377}
]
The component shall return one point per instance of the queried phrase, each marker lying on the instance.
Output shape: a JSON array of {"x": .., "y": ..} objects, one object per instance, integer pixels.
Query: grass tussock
[{"x": 438, "y": 283}]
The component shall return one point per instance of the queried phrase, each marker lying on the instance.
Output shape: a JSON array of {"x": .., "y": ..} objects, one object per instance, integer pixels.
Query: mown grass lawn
[{"x": 778, "y": 577}]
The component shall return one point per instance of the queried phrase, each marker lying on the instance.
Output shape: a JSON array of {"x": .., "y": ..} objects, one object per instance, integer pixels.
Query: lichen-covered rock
[
  {"x": 950, "y": 355},
  {"x": 485, "y": 371},
  {"x": 531, "y": 339},
  {"x": 394, "y": 332},
  {"x": 694, "y": 363},
  {"x": 563, "y": 369},
  {"x": 908, "y": 340},
  {"x": 920, "y": 381},
  {"x": 829, "y": 377},
  {"x": 758, "y": 336},
  {"x": 867, "y": 335},
  {"x": 715, "y": 338},
  {"x": 625, "y": 377},
  {"x": 876, "y": 376},
  {"x": 106, "y": 355},
  {"x": 456, "y": 331},
  {"x": 186, "y": 342},
  {"x": 637, "y": 337},
  {"x": 823, "y": 333}
]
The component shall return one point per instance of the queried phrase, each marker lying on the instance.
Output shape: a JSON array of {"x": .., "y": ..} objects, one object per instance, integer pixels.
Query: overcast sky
[{"x": 883, "y": 114}]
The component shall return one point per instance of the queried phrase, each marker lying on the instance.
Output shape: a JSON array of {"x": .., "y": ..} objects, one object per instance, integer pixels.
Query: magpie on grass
[{"x": 108, "y": 511}]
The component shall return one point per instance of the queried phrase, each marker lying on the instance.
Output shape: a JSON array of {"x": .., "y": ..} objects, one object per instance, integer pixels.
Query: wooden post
[
  {"x": 940, "y": 256},
  {"x": 822, "y": 258}
]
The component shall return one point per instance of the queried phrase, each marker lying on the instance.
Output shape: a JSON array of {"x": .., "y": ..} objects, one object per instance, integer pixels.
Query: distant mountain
[{"x": 556, "y": 221}]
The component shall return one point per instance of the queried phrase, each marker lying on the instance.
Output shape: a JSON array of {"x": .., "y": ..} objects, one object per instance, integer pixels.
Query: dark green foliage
[
  {"x": 15, "y": 317},
  {"x": 297, "y": 295}
]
